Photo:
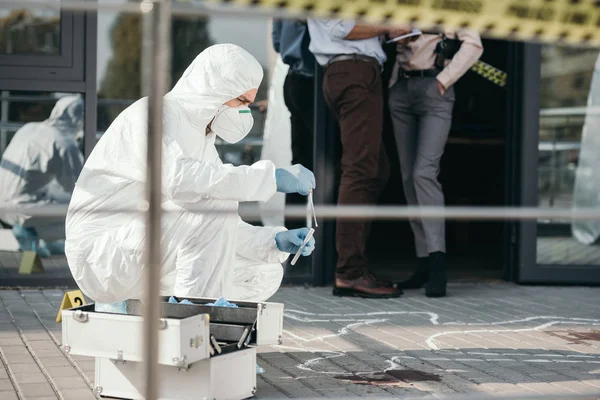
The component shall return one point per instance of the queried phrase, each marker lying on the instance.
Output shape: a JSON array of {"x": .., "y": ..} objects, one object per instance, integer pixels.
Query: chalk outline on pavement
[{"x": 356, "y": 321}]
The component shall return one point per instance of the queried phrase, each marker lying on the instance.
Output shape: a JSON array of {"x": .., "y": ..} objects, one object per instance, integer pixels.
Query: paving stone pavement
[
  {"x": 485, "y": 339},
  {"x": 56, "y": 272}
]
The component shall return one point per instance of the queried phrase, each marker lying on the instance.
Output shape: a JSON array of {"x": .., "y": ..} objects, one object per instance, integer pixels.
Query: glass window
[
  {"x": 120, "y": 72},
  {"x": 44, "y": 43},
  {"x": 20, "y": 108},
  {"x": 26, "y": 31},
  {"x": 568, "y": 146},
  {"x": 41, "y": 137}
]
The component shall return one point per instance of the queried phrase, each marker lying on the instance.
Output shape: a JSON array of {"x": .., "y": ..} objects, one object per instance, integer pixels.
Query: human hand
[
  {"x": 295, "y": 179},
  {"x": 262, "y": 105},
  {"x": 290, "y": 241},
  {"x": 441, "y": 88}
]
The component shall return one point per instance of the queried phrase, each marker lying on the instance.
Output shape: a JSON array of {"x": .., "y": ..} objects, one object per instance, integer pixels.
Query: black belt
[
  {"x": 423, "y": 73},
  {"x": 299, "y": 74},
  {"x": 351, "y": 57}
]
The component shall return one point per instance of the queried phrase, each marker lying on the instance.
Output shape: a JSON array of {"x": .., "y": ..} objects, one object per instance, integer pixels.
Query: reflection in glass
[
  {"x": 568, "y": 150},
  {"x": 121, "y": 80},
  {"x": 120, "y": 66},
  {"x": 587, "y": 178},
  {"x": 40, "y": 166},
  {"x": 25, "y": 32}
]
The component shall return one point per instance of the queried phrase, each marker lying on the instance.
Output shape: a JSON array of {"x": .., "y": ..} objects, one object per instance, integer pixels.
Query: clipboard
[{"x": 414, "y": 32}]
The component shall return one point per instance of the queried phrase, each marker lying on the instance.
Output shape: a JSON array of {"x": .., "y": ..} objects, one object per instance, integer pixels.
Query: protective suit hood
[
  {"x": 67, "y": 114},
  {"x": 220, "y": 73}
]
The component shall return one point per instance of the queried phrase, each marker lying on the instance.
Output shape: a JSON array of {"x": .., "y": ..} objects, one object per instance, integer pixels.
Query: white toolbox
[
  {"x": 228, "y": 377},
  {"x": 201, "y": 348},
  {"x": 119, "y": 336}
]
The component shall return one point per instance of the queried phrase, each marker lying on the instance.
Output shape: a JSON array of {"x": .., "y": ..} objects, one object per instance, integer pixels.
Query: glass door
[{"x": 564, "y": 173}]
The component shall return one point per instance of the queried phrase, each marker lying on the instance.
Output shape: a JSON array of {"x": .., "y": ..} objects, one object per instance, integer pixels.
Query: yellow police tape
[
  {"x": 489, "y": 72},
  {"x": 568, "y": 21}
]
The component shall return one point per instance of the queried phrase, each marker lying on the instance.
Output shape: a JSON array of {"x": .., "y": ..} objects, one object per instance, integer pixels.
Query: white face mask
[{"x": 232, "y": 124}]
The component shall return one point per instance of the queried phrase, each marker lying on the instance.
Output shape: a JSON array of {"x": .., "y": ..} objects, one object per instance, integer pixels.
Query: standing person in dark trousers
[
  {"x": 291, "y": 40},
  {"x": 353, "y": 57},
  {"x": 421, "y": 100}
]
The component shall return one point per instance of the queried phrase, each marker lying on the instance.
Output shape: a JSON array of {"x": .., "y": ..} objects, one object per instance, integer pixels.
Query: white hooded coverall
[
  {"x": 204, "y": 254},
  {"x": 587, "y": 178},
  {"x": 40, "y": 166}
]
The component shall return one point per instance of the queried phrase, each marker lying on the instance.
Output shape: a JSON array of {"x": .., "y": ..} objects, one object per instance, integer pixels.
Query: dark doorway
[{"x": 473, "y": 173}]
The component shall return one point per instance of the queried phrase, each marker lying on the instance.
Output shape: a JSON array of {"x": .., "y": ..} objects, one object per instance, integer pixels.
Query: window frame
[{"x": 66, "y": 66}]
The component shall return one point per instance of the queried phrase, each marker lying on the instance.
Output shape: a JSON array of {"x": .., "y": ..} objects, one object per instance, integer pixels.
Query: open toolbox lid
[
  {"x": 188, "y": 332},
  {"x": 267, "y": 318}
]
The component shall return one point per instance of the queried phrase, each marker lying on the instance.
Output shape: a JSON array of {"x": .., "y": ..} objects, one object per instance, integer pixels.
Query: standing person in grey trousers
[{"x": 421, "y": 100}]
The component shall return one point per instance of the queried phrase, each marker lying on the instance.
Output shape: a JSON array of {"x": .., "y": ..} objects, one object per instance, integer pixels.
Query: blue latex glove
[
  {"x": 184, "y": 301},
  {"x": 119, "y": 307},
  {"x": 295, "y": 179},
  {"x": 57, "y": 247},
  {"x": 48, "y": 249},
  {"x": 29, "y": 241},
  {"x": 27, "y": 238},
  {"x": 290, "y": 241},
  {"x": 221, "y": 302}
]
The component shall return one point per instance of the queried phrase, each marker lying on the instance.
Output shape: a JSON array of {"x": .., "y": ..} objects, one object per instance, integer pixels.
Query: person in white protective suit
[
  {"x": 39, "y": 167},
  {"x": 205, "y": 254},
  {"x": 587, "y": 179}
]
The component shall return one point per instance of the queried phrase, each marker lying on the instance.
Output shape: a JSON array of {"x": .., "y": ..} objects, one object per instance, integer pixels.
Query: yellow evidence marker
[
  {"x": 71, "y": 299},
  {"x": 30, "y": 263}
]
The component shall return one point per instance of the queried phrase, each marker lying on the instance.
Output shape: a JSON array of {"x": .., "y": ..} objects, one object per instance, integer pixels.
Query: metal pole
[
  {"x": 160, "y": 11},
  {"x": 331, "y": 212},
  {"x": 147, "y": 19},
  {"x": 4, "y": 118}
]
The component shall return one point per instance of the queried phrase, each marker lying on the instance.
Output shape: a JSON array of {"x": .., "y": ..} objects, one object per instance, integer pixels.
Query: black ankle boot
[
  {"x": 436, "y": 286},
  {"x": 419, "y": 277}
]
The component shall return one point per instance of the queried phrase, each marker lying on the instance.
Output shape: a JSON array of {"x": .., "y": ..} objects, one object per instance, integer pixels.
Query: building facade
[{"x": 512, "y": 146}]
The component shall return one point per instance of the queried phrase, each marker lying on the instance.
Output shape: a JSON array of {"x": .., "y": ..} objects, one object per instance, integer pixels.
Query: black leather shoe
[
  {"x": 436, "y": 286},
  {"x": 419, "y": 277}
]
